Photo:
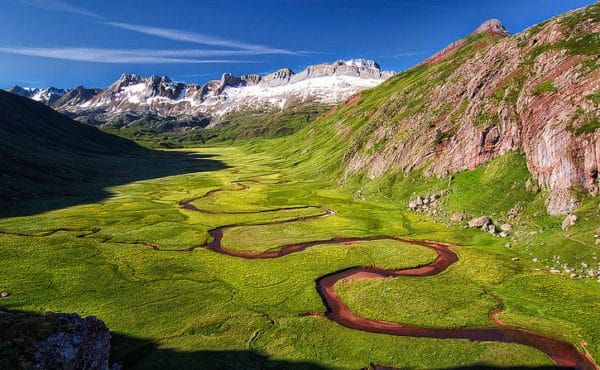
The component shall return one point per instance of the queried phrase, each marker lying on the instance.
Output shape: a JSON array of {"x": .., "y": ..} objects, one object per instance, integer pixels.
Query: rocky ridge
[
  {"x": 323, "y": 83},
  {"x": 537, "y": 92},
  {"x": 47, "y": 96}
]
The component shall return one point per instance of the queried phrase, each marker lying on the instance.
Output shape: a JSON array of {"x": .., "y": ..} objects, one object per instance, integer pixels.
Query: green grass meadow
[{"x": 179, "y": 305}]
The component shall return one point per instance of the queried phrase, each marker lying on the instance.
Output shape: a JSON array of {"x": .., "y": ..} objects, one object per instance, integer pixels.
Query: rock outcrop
[
  {"x": 569, "y": 221},
  {"x": 493, "y": 27},
  {"x": 480, "y": 222},
  {"x": 53, "y": 341},
  {"x": 80, "y": 343}
]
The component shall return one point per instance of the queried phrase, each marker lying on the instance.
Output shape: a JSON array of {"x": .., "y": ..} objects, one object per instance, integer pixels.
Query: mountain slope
[
  {"x": 482, "y": 97},
  {"x": 52, "y": 161},
  {"x": 43, "y": 151}
]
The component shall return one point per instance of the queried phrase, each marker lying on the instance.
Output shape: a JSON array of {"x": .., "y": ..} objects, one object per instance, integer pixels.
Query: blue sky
[{"x": 65, "y": 43}]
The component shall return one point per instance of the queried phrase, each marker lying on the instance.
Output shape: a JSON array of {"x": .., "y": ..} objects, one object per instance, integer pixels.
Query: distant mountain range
[{"x": 328, "y": 83}]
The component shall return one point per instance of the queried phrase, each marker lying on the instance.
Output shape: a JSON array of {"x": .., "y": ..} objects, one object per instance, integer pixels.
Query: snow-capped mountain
[
  {"x": 327, "y": 83},
  {"x": 47, "y": 96}
]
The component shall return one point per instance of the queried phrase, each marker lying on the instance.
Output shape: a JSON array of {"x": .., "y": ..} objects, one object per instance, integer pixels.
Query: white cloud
[
  {"x": 116, "y": 56},
  {"x": 143, "y": 55},
  {"x": 166, "y": 33},
  {"x": 405, "y": 54},
  {"x": 198, "y": 38},
  {"x": 59, "y": 6}
]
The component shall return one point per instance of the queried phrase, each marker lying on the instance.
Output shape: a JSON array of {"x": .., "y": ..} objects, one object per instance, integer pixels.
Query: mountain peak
[
  {"x": 129, "y": 77},
  {"x": 22, "y": 91},
  {"x": 361, "y": 63},
  {"x": 492, "y": 26}
]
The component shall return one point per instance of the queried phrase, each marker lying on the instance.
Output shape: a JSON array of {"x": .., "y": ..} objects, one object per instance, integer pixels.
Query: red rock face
[{"x": 490, "y": 94}]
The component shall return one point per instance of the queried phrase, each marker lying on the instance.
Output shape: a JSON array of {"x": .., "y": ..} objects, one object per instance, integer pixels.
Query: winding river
[{"x": 563, "y": 353}]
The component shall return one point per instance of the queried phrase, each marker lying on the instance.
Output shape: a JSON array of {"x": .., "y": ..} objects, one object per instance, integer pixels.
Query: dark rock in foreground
[
  {"x": 81, "y": 343},
  {"x": 53, "y": 341}
]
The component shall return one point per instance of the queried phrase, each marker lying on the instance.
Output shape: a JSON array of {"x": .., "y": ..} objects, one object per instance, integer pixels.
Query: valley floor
[{"x": 142, "y": 261}]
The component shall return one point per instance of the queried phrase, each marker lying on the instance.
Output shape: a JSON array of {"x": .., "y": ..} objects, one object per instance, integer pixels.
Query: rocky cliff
[
  {"x": 537, "y": 92},
  {"x": 325, "y": 83}
]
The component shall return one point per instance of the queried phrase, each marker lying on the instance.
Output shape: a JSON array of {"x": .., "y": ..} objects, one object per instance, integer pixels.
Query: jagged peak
[
  {"x": 159, "y": 79},
  {"x": 282, "y": 73},
  {"x": 53, "y": 89},
  {"x": 18, "y": 88},
  {"x": 129, "y": 77},
  {"x": 360, "y": 63},
  {"x": 492, "y": 26}
]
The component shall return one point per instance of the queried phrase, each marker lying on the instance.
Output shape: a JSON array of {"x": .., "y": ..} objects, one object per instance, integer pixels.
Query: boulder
[
  {"x": 506, "y": 227},
  {"x": 413, "y": 205},
  {"x": 569, "y": 221},
  {"x": 81, "y": 343},
  {"x": 417, "y": 202},
  {"x": 561, "y": 202},
  {"x": 456, "y": 218},
  {"x": 489, "y": 228},
  {"x": 480, "y": 221}
]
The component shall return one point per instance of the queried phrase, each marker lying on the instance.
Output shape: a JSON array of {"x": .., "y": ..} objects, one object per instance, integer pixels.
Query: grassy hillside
[
  {"x": 324, "y": 146},
  {"x": 44, "y": 152},
  {"x": 51, "y": 161},
  {"x": 490, "y": 96}
]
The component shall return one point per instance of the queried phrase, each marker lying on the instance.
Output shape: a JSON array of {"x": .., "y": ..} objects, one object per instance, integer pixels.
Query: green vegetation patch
[
  {"x": 419, "y": 301},
  {"x": 547, "y": 86},
  {"x": 496, "y": 186}
]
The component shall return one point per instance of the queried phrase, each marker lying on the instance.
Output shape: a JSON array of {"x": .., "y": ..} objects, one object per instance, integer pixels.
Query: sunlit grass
[{"x": 105, "y": 264}]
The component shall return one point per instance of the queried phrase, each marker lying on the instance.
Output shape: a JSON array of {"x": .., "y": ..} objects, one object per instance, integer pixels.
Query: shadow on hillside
[
  {"x": 488, "y": 367},
  {"x": 144, "y": 354},
  {"x": 22, "y": 330},
  {"x": 107, "y": 171}
]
